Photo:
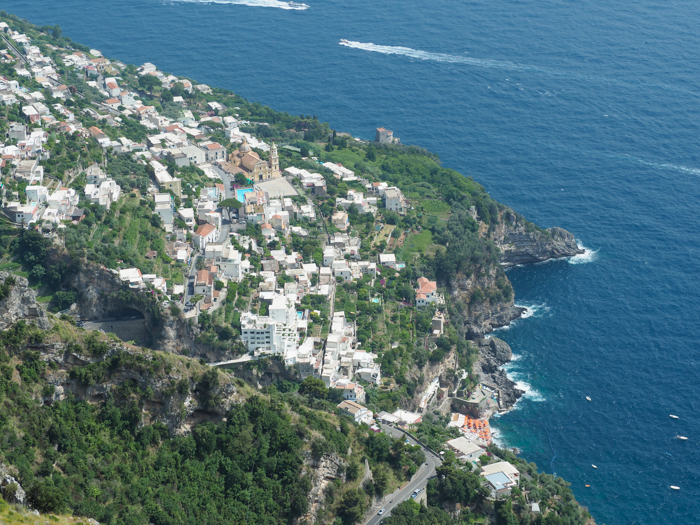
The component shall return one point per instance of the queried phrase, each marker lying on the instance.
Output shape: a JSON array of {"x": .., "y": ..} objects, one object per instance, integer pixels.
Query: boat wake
[
  {"x": 441, "y": 57},
  {"x": 586, "y": 257},
  {"x": 290, "y": 6}
]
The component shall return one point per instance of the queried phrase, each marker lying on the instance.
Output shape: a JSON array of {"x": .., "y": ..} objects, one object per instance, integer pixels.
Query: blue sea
[{"x": 581, "y": 114}]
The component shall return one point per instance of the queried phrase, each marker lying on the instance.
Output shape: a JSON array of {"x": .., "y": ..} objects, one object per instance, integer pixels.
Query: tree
[
  {"x": 240, "y": 179},
  {"x": 371, "y": 154},
  {"x": 304, "y": 151},
  {"x": 352, "y": 507},
  {"x": 314, "y": 388},
  {"x": 230, "y": 204},
  {"x": 149, "y": 82},
  {"x": 166, "y": 96},
  {"x": 46, "y": 497}
]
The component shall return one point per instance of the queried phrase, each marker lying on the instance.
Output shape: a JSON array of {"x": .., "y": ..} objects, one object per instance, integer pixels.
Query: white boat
[
  {"x": 295, "y": 5},
  {"x": 343, "y": 41},
  {"x": 683, "y": 438},
  {"x": 594, "y": 466},
  {"x": 675, "y": 488},
  {"x": 588, "y": 398},
  {"x": 673, "y": 417}
]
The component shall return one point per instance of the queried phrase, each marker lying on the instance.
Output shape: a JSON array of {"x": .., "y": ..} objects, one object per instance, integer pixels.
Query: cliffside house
[
  {"x": 500, "y": 478},
  {"x": 464, "y": 449},
  {"x": 357, "y": 412},
  {"x": 426, "y": 292},
  {"x": 205, "y": 234}
]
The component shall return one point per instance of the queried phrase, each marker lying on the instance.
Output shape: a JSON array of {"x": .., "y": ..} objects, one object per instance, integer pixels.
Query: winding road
[{"x": 419, "y": 481}]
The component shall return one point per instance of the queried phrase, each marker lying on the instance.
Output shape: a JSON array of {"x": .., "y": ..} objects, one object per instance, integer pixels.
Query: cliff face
[
  {"x": 177, "y": 408},
  {"x": 493, "y": 354},
  {"x": 481, "y": 317},
  {"x": 96, "y": 287},
  {"x": 518, "y": 246},
  {"x": 21, "y": 304}
]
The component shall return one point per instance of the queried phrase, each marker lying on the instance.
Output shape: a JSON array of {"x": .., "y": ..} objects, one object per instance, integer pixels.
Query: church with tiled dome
[{"x": 252, "y": 166}]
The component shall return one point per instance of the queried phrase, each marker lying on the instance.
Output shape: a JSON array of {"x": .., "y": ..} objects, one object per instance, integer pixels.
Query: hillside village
[
  {"x": 212, "y": 242},
  {"x": 267, "y": 244}
]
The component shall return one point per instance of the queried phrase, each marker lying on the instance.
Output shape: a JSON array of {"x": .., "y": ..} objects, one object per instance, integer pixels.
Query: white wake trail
[
  {"x": 442, "y": 57},
  {"x": 290, "y": 6}
]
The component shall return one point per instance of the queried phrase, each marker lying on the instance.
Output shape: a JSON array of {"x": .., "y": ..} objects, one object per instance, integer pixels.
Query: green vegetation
[{"x": 113, "y": 460}]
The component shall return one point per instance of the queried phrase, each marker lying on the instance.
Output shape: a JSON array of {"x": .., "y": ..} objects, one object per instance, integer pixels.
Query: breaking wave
[
  {"x": 290, "y": 6},
  {"x": 586, "y": 257},
  {"x": 442, "y": 57},
  {"x": 533, "y": 310}
]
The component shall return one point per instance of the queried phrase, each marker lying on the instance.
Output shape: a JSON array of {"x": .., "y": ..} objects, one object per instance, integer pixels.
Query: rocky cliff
[
  {"x": 176, "y": 395},
  {"x": 493, "y": 354},
  {"x": 482, "y": 316},
  {"x": 520, "y": 244},
  {"x": 21, "y": 303}
]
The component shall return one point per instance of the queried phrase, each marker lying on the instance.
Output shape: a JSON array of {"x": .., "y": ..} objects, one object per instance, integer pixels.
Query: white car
[{"x": 380, "y": 512}]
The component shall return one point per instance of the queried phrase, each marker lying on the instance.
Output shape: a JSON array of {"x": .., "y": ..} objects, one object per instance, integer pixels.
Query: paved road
[
  {"x": 13, "y": 48},
  {"x": 420, "y": 480}
]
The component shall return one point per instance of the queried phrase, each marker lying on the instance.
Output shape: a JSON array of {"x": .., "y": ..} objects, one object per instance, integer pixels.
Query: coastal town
[{"x": 273, "y": 250}]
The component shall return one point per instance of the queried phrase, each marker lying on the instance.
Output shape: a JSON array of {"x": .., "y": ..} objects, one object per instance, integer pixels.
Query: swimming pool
[{"x": 240, "y": 194}]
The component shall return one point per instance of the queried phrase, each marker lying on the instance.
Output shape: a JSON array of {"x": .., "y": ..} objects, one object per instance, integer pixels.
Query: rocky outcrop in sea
[
  {"x": 520, "y": 246},
  {"x": 493, "y": 354}
]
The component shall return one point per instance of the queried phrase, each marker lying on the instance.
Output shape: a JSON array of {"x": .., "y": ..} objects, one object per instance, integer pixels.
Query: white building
[
  {"x": 38, "y": 194},
  {"x": 104, "y": 193},
  {"x": 132, "y": 276},
  {"x": 95, "y": 175},
  {"x": 501, "y": 478},
  {"x": 464, "y": 449},
  {"x": 357, "y": 412},
  {"x": 165, "y": 208},
  {"x": 165, "y": 181},
  {"x": 22, "y": 214},
  {"x": 426, "y": 292},
  {"x": 275, "y": 333},
  {"x": 206, "y": 233},
  {"x": 63, "y": 200},
  {"x": 394, "y": 200}
]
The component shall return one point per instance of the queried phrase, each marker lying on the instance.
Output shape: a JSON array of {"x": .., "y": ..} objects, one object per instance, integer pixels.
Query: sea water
[{"x": 582, "y": 115}]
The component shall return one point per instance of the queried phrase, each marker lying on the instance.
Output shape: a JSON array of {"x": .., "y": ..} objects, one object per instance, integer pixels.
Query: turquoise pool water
[{"x": 240, "y": 194}]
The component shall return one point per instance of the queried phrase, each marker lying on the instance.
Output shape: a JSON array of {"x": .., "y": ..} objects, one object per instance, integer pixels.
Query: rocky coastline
[{"x": 517, "y": 246}]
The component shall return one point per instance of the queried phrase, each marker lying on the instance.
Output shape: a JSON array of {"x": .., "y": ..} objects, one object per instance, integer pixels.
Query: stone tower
[{"x": 274, "y": 162}]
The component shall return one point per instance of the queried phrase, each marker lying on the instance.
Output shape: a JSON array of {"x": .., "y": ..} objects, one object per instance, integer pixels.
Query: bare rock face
[
  {"x": 519, "y": 246},
  {"x": 323, "y": 471},
  {"x": 12, "y": 491},
  {"x": 493, "y": 354},
  {"x": 21, "y": 304},
  {"x": 481, "y": 317}
]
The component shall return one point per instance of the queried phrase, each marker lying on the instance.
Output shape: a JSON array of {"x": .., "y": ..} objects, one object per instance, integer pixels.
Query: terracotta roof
[
  {"x": 205, "y": 229},
  {"x": 112, "y": 101},
  {"x": 216, "y": 145},
  {"x": 112, "y": 85}
]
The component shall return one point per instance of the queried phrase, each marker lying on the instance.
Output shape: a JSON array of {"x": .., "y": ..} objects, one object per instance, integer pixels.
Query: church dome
[{"x": 245, "y": 148}]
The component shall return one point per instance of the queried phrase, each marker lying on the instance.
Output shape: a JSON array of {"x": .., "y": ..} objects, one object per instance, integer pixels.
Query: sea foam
[{"x": 587, "y": 256}]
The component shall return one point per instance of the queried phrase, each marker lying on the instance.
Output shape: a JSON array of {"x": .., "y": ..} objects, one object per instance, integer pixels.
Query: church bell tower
[{"x": 274, "y": 162}]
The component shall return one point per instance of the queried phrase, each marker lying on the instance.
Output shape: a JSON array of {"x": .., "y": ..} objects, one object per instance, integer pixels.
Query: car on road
[
  {"x": 381, "y": 511},
  {"x": 416, "y": 492}
]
